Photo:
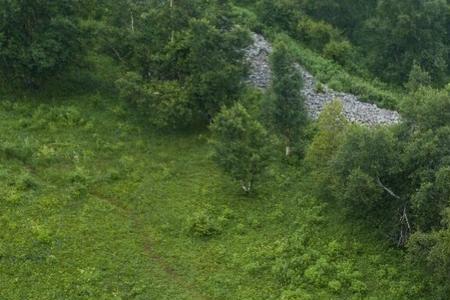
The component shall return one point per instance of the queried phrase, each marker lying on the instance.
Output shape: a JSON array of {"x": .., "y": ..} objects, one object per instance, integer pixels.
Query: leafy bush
[
  {"x": 417, "y": 78},
  {"x": 39, "y": 39},
  {"x": 315, "y": 34},
  {"x": 339, "y": 51},
  {"x": 320, "y": 88},
  {"x": 242, "y": 146},
  {"x": 165, "y": 104},
  {"x": 202, "y": 224},
  {"x": 246, "y": 18},
  {"x": 208, "y": 222}
]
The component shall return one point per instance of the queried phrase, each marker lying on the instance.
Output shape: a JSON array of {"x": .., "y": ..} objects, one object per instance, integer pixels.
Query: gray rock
[{"x": 354, "y": 110}]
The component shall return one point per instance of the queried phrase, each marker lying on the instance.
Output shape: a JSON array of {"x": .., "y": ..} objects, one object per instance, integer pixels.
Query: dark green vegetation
[
  {"x": 38, "y": 39},
  {"x": 117, "y": 119},
  {"x": 289, "y": 112},
  {"x": 384, "y": 38},
  {"x": 96, "y": 207}
]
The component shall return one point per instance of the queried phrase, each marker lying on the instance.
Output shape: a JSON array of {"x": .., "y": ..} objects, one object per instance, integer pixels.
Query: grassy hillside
[{"x": 95, "y": 206}]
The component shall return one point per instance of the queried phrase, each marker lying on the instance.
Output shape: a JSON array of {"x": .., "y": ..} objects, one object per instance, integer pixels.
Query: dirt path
[{"x": 148, "y": 248}]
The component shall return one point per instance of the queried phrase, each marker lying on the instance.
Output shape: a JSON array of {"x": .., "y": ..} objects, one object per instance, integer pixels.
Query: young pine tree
[
  {"x": 241, "y": 144},
  {"x": 289, "y": 112}
]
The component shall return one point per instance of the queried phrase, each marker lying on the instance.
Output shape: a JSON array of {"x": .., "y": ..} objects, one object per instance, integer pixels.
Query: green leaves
[
  {"x": 405, "y": 32},
  {"x": 242, "y": 146},
  {"x": 428, "y": 108},
  {"x": 165, "y": 104},
  {"x": 39, "y": 39},
  {"x": 189, "y": 66},
  {"x": 289, "y": 112}
]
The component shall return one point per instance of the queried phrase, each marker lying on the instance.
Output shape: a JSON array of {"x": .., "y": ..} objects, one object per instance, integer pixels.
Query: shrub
[
  {"x": 335, "y": 285},
  {"x": 339, "y": 51},
  {"x": 417, "y": 78},
  {"x": 315, "y": 34},
  {"x": 39, "y": 39},
  {"x": 208, "y": 223},
  {"x": 242, "y": 146},
  {"x": 202, "y": 224},
  {"x": 165, "y": 104},
  {"x": 320, "y": 88}
]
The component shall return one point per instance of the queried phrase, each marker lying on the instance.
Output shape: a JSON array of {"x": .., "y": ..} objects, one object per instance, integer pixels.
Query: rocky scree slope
[{"x": 353, "y": 109}]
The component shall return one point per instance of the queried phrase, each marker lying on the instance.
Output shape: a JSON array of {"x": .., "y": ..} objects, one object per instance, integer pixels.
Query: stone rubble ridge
[{"x": 353, "y": 109}]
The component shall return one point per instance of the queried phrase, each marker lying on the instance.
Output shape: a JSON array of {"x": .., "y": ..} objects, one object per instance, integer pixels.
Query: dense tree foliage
[
  {"x": 165, "y": 104},
  {"x": 196, "y": 48},
  {"x": 242, "y": 146},
  {"x": 396, "y": 180},
  {"x": 331, "y": 127},
  {"x": 345, "y": 14},
  {"x": 404, "y": 32},
  {"x": 390, "y": 36},
  {"x": 289, "y": 110},
  {"x": 38, "y": 39}
]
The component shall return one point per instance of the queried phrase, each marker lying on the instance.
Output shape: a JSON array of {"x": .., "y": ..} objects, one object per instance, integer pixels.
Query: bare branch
[
  {"x": 390, "y": 192},
  {"x": 132, "y": 22}
]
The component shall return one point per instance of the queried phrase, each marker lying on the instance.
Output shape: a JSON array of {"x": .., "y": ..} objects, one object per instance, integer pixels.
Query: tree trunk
[
  {"x": 172, "y": 34},
  {"x": 288, "y": 150},
  {"x": 405, "y": 227},
  {"x": 247, "y": 187}
]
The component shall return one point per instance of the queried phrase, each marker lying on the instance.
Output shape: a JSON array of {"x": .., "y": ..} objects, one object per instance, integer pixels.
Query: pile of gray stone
[{"x": 316, "y": 99}]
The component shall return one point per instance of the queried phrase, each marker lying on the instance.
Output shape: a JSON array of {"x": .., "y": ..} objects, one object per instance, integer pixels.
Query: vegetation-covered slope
[
  {"x": 96, "y": 207},
  {"x": 135, "y": 163}
]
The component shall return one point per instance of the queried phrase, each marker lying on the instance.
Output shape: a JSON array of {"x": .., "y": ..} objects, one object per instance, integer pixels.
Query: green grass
[{"x": 96, "y": 206}]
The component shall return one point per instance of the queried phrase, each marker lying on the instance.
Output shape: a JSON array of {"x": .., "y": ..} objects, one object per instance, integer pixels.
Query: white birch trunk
[
  {"x": 132, "y": 22},
  {"x": 172, "y": 33},
  {"x": 288, "y": 150}
]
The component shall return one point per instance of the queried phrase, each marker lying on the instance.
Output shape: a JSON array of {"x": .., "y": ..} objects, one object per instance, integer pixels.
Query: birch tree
[{"x": 242, "y": 146}]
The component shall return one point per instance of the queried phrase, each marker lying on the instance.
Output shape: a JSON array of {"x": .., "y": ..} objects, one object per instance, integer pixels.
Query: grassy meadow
[{"x": 97, "y": 206}]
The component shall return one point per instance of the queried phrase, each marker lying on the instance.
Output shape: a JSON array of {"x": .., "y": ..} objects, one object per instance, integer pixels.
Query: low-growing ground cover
[{"x": 95, "y": 206}]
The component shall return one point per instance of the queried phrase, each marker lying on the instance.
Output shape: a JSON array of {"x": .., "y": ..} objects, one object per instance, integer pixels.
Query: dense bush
[
  {"x": 339, "y": 51},
  {"x": 315, "y": 34},
  {"x": 289, "y": 112},
  {"x": 192, "y": 67},
  {"x": 242, "y": 146},
  {"x": 396, "y": 179},
  {"x": 391, "y": 36},
  {"x": 165, "y": 104},
  {"x": 431, "y": 251},
  {"x": 38, "y": 39}
]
